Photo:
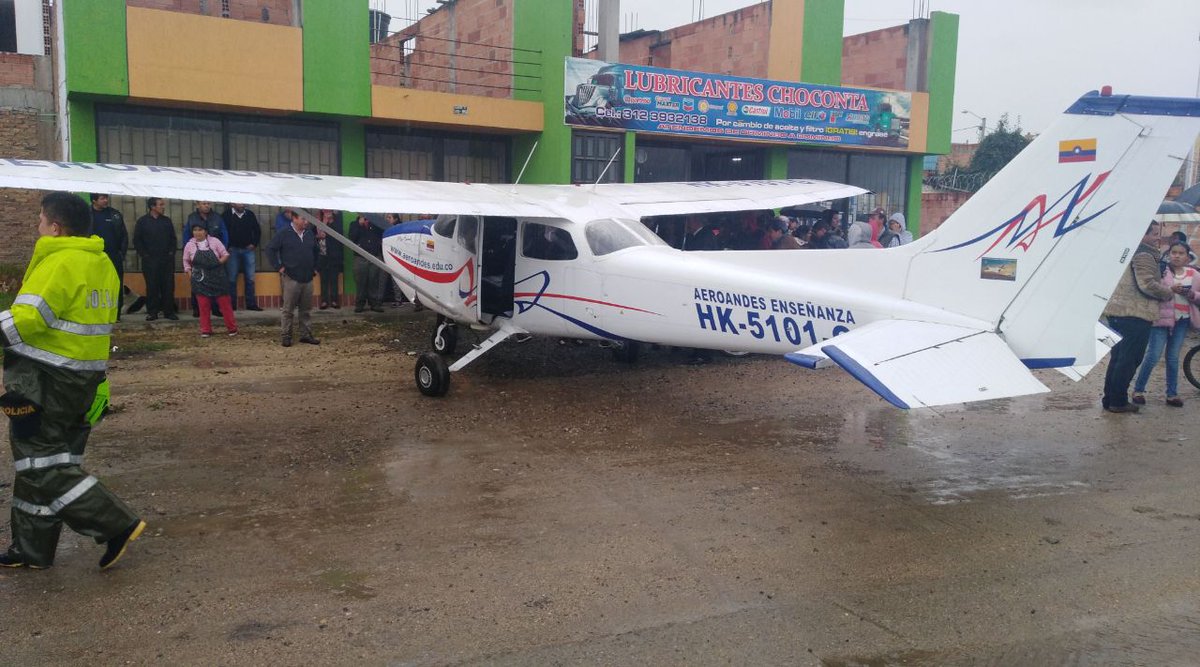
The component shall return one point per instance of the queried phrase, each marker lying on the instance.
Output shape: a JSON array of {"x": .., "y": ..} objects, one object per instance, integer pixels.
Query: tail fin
[{"x": 1038, "y": 251}]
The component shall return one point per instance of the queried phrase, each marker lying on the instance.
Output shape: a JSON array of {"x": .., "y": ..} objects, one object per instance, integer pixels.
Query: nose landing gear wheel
[
  {"x": 445, "y": 337},
  {"x": 432, "y": 374}
]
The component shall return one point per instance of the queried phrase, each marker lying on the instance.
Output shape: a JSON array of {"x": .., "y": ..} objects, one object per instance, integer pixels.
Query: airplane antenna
[
  {"x": 610, "y": 161},
  {"x": 527, "y": 159}
]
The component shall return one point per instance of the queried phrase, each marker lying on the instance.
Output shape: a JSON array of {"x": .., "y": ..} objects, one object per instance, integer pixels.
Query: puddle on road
[
  {"x": 345, "y": 582},
  {"x": 926, "y": 451}
]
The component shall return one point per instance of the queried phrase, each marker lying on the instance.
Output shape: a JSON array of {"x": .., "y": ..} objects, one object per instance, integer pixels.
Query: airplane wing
[
  {"x": 361, "y": 195},
  {"x": 382, "y": 195},
  {"x": 643, "y": 199},
  {"x": 921, "y": 364}
]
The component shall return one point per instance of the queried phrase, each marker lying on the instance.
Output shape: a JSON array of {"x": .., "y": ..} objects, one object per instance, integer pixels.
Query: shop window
[
  {"x": 8, "y": 27},
  {"x": 884, "y": 175},
  {"x": 546, "y": 242},
  {"x": 658, "y": 163},
  {"x": 591, "y": 153},
  {"x": 433, "y": 156}
]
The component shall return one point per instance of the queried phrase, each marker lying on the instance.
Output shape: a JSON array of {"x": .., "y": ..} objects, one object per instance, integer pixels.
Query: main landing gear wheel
[
  {"x": 626, "y": 352},
  {"x": 445, "y": 337},
  {"x": 432, "y": 374}
]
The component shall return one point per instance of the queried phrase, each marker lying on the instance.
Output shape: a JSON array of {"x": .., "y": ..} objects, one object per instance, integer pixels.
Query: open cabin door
[{"x": 497, "y": 262}]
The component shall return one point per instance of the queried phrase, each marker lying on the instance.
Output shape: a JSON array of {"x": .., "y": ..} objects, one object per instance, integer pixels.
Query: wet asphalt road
[{"x": 308, "y": 507}]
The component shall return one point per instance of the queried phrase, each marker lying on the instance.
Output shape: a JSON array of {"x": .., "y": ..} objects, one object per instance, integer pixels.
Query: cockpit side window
[
  {"x": 545, "y": 242},
  {"x": 445, "y": 226},
  {"x": 468, "y": 227}
]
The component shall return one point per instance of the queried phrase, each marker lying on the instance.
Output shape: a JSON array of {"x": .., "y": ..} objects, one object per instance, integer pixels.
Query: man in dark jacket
[
  {"x": 293, "y": 253},
  {"x": 368, "y": 278},
  {"x": 244, "y": 238},
  {"x": 109, "y": 225},
  {"x": 155, "y": 243}
]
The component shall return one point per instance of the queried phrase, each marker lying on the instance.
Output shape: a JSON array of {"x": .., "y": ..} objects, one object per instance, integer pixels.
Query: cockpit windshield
[{"x": 608, "y": 235}]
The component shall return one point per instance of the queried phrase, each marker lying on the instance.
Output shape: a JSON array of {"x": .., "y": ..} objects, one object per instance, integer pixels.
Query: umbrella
[
  {"x": 1191, "y": 196},
  {"x": 1176, "y": 213}
]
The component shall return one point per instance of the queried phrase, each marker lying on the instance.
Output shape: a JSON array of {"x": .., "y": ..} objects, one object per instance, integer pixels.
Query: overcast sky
[{"x": 1027, "y": 58}]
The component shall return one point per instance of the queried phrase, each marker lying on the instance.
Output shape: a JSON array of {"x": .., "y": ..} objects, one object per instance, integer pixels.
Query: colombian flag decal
[{"x": 1077, "y": 150}]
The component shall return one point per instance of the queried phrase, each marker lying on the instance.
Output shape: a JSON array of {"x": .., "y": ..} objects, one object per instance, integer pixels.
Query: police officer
[
  {"x": 109, "y": 225},
  {"x": 56, "y": 342}
]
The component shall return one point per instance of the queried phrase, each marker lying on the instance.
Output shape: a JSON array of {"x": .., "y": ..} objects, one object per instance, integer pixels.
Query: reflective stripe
[
  {"x": 47, "y": 462},
  {"x": 56, "y": 506},
  {"x": 37, "y": 354},
  {"x": 9, "y": 327},
  {"x": 53, "y": 322}
]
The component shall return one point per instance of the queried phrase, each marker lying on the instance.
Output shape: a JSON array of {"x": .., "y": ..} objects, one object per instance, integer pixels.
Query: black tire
[
  {"x": 432, "y": 374},
  {"x": 445, "y": 337},
  {"x": 627, "y": 352},
  {"x": 734, "y": 353},
  {"x": 1191, "y": 373}
]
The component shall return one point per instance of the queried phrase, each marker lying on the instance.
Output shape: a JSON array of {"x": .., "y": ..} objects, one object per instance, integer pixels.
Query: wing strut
[{"x": 426, "y": 296}]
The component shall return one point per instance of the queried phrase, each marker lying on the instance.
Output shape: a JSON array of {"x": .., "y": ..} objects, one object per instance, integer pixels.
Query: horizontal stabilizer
[
  {"x": 1105, "y": 340},
  {"x": 919, "y": 364}
]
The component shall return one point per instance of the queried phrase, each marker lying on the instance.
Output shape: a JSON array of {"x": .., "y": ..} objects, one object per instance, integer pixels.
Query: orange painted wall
[{"x": 240, "y": 63}]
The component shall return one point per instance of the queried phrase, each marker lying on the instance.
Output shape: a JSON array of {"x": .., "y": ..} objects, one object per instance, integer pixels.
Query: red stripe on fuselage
[
  {"x": 431, "y": 276},
  {"x": 580, "y": 298}
]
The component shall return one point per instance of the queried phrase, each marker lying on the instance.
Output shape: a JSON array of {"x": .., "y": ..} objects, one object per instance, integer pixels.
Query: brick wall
[
  {"x": 464, "y": 47},
  {"x": 734, "y": 43},
  {"x": 877, "y": 59},
  {"x": 936, "y": 207},
  {"x": 16, "y": 69},
  {"x": 279, "y": 11},
  {"x": 19, "y": 208}
]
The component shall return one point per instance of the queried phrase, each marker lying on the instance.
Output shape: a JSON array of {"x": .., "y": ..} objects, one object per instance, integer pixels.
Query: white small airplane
[{"x": 1015, "y": 280}]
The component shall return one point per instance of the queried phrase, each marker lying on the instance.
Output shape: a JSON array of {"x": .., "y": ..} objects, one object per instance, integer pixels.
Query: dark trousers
[
  {"x": 159, "y": 272},
  {"x": 329, "y": 286},
  {"x": 51, "y": 489},
  {"x": 1124, "y": 359},
  {"x": 368, "y": 280}
]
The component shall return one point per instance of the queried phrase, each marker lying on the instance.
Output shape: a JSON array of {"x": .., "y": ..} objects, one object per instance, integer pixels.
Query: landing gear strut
[{"x": 445, "y": 336}]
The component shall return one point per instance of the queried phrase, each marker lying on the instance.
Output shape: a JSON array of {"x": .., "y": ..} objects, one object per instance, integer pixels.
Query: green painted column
[
  {"x": 943, "y": 57},
  {"x": 630, "y": 156},
  {"x": 354, "y": 163},
  {"x": 821, "y": 45},
  {"x": 337, "y": 58},
  {"x": 542, "y": 34},
  {"x": 82, "y": 114},
  {"x": 776, "y": 163},
  {"x": 95, "y": 47},
  {"x": 912, "y": 210}
]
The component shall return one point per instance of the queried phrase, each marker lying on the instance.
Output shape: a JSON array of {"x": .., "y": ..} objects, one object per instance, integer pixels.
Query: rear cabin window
[
  {"x": 546, "y": 242},
  {"x": 607, "y": 235}
]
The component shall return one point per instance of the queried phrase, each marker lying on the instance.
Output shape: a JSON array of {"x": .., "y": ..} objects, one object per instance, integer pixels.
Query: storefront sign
[{"x": 651, "y": 99}]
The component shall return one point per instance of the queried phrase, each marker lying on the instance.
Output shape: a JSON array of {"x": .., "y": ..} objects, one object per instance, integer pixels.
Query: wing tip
[
  {"x": 860, "y": 373},
  {"x": 809, "y": 361}
]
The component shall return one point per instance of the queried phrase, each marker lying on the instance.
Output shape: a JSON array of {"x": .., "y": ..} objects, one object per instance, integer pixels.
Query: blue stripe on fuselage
[{"x": 414, "y": 227}]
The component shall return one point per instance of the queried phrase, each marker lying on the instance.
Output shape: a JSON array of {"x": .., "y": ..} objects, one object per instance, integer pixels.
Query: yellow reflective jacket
[{"x": 64, "y": 312}]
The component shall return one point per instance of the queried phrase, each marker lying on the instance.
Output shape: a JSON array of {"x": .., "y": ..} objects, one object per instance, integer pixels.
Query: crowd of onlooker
[{"x": 790, "y": 229}]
